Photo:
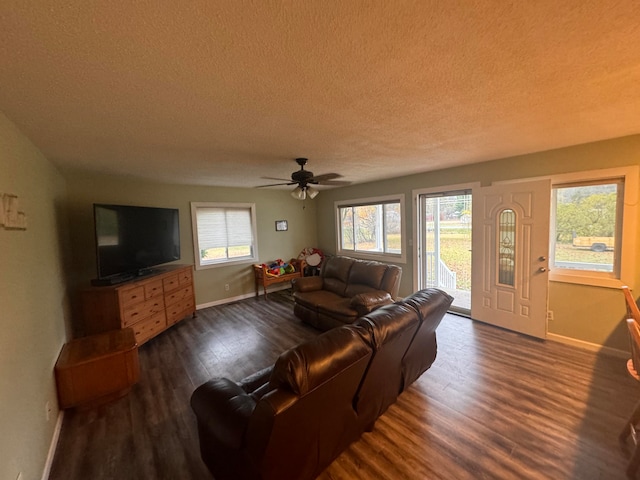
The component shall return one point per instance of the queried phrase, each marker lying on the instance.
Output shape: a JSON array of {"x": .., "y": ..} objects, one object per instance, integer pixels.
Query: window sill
[
  {"x": 379, "y": 257},
  {"x": 584, "y": 278},
  {"x": 229, "y": 263}
]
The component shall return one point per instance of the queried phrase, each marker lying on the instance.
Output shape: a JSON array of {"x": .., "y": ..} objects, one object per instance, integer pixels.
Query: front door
[{"x": 510, "y": 251}]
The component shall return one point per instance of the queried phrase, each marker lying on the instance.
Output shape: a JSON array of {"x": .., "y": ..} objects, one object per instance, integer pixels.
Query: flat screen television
[{"x": 131, "y": 240}]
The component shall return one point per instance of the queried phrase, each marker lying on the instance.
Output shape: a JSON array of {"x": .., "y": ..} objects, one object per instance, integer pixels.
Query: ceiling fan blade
[
  {"x": 335, "y": 183},
  {"x": 326, "y": 176},
  {"x": 277, "y": 178},
  {"x": 276, "y": 184}
]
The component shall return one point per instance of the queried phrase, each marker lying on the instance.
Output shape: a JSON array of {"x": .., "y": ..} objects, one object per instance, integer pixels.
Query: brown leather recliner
[
  {"x": 290, "y": 421},
  {"x": 431, "y": 305},
  {"x": 390, "y": 331},
  {"x": 346, "y": 289}
]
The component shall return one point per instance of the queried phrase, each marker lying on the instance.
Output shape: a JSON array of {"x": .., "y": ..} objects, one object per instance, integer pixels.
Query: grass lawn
[{"x": 455, "y": 251}]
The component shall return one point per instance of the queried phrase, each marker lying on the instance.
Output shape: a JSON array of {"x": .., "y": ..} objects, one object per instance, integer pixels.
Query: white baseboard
[
  {"x": 53, "y": 446},
  {"x": 239, "y": 297},
  {"x": 593, "y": 347}
]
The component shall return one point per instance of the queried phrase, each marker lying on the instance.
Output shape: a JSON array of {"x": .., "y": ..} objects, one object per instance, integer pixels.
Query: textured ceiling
[{"x": 227, "y": 92}]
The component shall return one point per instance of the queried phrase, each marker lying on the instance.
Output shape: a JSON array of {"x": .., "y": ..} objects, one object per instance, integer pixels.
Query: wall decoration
[
  {"x": 282, "y": 226},
  {"x": 11, "y": 218}
]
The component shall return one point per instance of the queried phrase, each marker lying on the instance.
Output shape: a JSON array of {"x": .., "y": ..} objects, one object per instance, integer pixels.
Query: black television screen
[{"x": 130, "y": 240}]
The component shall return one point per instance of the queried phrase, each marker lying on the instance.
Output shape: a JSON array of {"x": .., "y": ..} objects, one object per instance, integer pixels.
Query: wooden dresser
[{"x": 148, "y": 305}]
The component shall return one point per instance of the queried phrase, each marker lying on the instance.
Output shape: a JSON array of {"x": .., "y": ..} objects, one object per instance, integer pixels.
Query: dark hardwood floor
[{"x": 494, "y": 405}]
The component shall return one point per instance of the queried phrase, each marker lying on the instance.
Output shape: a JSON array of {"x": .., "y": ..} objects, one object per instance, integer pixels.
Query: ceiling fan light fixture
[
  {"x": 312, "y": 192},
  {"x": 299, "y": 193}
]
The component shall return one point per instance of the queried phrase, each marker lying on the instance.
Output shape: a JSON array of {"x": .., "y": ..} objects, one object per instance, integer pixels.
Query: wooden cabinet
[
  {"x": 95, "y": 369},
  {"x": 149, "y": 305}
]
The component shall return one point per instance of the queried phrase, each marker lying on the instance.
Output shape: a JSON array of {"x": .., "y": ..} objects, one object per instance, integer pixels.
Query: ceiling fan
[{"x": 304, "y": 178}]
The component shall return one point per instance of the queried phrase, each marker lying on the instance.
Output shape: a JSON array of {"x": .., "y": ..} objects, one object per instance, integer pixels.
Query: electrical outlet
[
  {"x": 550, "y": 315},
  {"x": 226, "y": 287}
]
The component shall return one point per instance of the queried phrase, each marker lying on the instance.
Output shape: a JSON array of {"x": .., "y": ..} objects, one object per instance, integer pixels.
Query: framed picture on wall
[{"x": 282, "y": 226}]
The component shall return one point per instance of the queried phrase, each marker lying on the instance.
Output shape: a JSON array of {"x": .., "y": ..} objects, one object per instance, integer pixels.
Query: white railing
[{"x": 443, "y": 277}]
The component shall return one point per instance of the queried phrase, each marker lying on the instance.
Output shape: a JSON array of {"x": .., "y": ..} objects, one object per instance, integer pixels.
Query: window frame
[
  {"x": 253, "y": 258},
  {"x": 367, "y": 255},
  {"x": 624, "y": 268}
]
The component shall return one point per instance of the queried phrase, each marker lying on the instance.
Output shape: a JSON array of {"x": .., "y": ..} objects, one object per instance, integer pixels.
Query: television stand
[{"x": 149, "y": 305}]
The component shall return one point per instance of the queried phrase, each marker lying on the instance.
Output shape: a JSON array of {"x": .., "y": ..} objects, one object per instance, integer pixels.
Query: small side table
[
  {"x": 94, "y": 370},
  {"x": 261, "y": 277}
]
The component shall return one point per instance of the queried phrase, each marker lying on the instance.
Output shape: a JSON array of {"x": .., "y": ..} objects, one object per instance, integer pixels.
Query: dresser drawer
[
  {"x": 179, "y": 310},
  {"x": 153, "y": 289},
  {"x": 149, "y": 327},
  {"x": 141, "y": 311},
  {"x": 131, "y": 296},
  {"x": 171, "y": 283},
  {"x": 185, "y": 277},
  {"x": 173, "y": 297}
]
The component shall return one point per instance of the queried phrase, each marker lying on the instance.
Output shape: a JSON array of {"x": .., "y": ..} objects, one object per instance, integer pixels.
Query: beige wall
[
  {"x": 34, "y": 305},
  {"x": 587, "y": 314},
  {"x": 271, "y": 205}
]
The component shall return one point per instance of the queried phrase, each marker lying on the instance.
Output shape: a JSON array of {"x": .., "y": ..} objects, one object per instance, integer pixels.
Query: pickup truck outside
[{"x": 595, "y": 244}]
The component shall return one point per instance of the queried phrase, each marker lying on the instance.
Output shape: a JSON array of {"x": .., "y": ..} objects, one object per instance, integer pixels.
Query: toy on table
[{"x": 277, "y": 268}]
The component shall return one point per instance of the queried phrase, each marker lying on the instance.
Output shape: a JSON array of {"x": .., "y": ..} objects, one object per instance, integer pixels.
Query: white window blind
[
  {"x": 223, "y": 227},
  {"x": 223, "y": 233}
]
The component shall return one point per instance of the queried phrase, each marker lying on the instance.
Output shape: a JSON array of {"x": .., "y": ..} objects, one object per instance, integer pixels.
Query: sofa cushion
[
  {"x": 308, "y": 365},
  {"x": 369, "y": 274},
  {"x": 314, "y": 299},
  {"x": 354, "y": 289},
  {"x": 335, "y": 274},
  {"x": 307, "y": 284},
  {"x": 339, "y": 308}
]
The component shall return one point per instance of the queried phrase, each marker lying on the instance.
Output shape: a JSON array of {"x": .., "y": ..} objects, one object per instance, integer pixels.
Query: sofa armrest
[
  {"x": 256, "y": 380},
  {"x": 365, "y": 303},
  {"x": 223, "y": 408},
  {"x": 307, "y": 284}
]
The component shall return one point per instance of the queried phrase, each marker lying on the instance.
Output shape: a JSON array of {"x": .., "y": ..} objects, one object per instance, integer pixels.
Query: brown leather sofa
[
  {"x": 345, "y": 290},
  {"x": 291, "y": 420}
]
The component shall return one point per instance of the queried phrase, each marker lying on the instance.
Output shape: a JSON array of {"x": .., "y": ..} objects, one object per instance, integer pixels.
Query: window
[
  {"x": 371, "y": 228},
  {"x": 223, "y": 233},
  {"x": 507, "y": 247},
  {"x": 593, "y": 227}
]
